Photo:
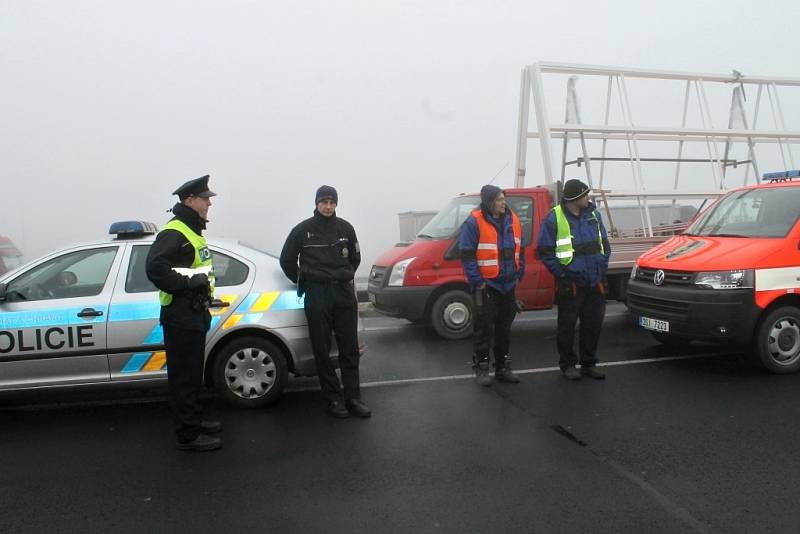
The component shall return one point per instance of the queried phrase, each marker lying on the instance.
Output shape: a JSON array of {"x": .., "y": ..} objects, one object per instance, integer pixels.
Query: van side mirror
[
  {"x": 453, "y": 252},
  {"x": 3, "y": 290}
]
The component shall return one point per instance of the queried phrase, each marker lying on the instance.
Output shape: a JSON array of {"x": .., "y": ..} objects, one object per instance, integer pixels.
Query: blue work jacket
[
  {"x": 584, "y": 269},
  {"x": 468, "y": 241}
]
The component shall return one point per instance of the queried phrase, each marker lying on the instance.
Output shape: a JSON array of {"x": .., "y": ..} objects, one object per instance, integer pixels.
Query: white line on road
[
  {"x": 402, "y": 381},
  {"x": 519, "y": 320},
  {"x": 375, "y": 384}
]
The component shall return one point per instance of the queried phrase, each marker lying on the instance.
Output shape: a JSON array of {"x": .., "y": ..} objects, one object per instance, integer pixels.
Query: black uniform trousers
[
  {"x": 185, "y": 355},
  {"x": 332, "y": 306},
  {"x": 587, "y": 305},
  {"x": 495, "y": 311}
]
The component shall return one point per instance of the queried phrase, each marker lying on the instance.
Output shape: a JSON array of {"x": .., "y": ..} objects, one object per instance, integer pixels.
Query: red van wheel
[
  {"x": 452, "y": 314},
  {"x": 777, "y": 343}
]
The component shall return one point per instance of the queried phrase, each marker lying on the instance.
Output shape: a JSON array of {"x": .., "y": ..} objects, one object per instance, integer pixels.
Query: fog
[{"x": 106, "y": 107}]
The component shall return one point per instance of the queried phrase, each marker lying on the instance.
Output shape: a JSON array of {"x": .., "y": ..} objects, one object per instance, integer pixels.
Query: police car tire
[
  {"x": 786, "y": 319},
  {"x": 460, "y": 299},
  {"x": 234, "y": 363}
]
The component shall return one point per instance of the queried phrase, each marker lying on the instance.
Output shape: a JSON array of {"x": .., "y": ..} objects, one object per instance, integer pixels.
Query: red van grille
[{"x": 683, "y": 278}]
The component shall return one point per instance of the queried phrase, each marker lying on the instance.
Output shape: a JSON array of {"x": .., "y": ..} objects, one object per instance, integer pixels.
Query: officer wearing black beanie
[{"x": 327, "y": 249}]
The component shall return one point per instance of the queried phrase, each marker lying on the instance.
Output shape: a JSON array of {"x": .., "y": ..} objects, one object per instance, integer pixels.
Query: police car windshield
[
  {"x": 767, "y": 212},
  {"x": 447, "y": 222}
]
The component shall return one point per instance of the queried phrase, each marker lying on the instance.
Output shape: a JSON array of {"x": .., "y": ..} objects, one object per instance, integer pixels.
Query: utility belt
[
  {"x": 586, "y": 249},
  {"x": 506, "y": 254},
  {"x": 329, "y": 282}
]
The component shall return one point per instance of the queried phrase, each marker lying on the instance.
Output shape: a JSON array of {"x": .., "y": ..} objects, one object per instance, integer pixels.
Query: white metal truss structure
[{"x": 719, "y": 142}]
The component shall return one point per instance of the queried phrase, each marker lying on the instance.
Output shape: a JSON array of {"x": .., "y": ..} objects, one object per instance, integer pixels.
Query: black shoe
[
  {"x": 337, "y": 409},
  {"x": 593, "y": 372},
  {"x": 201, "y": 443},
  {"x": 571, "y": 373},
  {"x": 358, "y": 408},
  {"x": 210, "y": 427}
]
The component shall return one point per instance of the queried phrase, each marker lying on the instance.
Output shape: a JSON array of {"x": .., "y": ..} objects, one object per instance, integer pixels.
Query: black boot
[
  {"x": 506, "y": 374},
  {"x": 337, "y": 409},
  {"x": 593, "y": 372},
  {"x": 358, "y": 408},
  {"x": 482, "y": 373},
  {"x": 210, "y": 427},
  {"x": 201, "y": 443}
]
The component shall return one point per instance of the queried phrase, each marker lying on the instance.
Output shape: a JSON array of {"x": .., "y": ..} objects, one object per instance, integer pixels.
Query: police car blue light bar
[
  {"x": 781, "y": 174},
  {"x": 124, "y": 229}
]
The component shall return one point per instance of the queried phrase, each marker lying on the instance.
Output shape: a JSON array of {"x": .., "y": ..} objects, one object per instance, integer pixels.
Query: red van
[
  {"x": 732, "y": 277},
  {"x": 423, "y": 281}
]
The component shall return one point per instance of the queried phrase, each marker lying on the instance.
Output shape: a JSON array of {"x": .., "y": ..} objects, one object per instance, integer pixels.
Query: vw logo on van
[{"x": 658, "y": 278}]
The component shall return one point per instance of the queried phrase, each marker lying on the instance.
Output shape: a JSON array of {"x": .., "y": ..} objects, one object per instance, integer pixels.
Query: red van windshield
[{"x": 767, "y": 212}]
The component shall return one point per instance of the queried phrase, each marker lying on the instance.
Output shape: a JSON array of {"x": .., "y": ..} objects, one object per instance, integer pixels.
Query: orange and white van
[{"x": 732, "y": 277}]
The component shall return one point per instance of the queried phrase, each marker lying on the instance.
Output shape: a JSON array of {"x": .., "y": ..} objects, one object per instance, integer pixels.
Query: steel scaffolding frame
[{"x": 739, "y": 130}]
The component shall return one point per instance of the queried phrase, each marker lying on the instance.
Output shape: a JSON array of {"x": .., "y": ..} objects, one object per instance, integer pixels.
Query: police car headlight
[
  {"x": 634, "y": 271},
  {"x": 738, "y": 279},
  {"x": 398, "y": 273}
]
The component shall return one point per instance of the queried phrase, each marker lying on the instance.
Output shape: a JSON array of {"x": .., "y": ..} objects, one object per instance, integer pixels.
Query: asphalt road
[{"x": 672, "y": 441}]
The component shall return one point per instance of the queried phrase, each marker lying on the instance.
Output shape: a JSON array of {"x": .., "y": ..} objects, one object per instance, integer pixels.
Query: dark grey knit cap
[
  {"x": 326, "y": 192},
  {"x": 575, "y": 189},
  {"x": 489, "y": 193}
]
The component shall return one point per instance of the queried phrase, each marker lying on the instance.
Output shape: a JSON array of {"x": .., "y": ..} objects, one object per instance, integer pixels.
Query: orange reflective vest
[{"x": 488, "y": 254}]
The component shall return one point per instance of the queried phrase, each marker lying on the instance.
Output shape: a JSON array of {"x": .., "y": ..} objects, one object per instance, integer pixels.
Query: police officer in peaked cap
[
  {"x": 573, "y": 245},
  {"x": 185, "y": 297},
  {"x": 327, "y": 249}
]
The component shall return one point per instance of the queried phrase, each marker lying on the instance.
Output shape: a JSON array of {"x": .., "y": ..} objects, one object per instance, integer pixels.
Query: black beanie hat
[
  {"x": 488, "y": 194},
  {"x": 575, "y": 189},
  {"x": 326, "y": 192}
]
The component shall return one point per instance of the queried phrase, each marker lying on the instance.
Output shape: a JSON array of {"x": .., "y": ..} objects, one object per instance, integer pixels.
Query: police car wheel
[
  {"x": 250, "y": 372},
  {"x": 778, "y": 341},
  {"x": 452, "y": 314}
]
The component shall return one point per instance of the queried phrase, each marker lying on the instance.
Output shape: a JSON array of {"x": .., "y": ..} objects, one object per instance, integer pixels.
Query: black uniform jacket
[
  {"x": 172, "y": 249},
  {"x": 327, "y": 247}
]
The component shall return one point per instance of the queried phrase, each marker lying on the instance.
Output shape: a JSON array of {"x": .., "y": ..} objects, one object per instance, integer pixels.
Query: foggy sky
[{"x": 106, "y": 107}]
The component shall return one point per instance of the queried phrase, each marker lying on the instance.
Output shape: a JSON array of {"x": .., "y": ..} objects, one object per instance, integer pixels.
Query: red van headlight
[
  {"x": 738, "y": 279},
  {"x": 398, "y": 274}
]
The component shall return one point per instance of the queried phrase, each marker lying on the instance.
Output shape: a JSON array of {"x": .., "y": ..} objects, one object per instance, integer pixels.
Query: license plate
[
  {"x": 371, "y": 298},
  {"x": 654, "y": 324}
]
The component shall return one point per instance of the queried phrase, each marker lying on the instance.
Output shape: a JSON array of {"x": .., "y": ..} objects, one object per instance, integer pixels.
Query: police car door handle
[
  {"x": 217, "y": 303},
  {"x": 90, "y": 312}
]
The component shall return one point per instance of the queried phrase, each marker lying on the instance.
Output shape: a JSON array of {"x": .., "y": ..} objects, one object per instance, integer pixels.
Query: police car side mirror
[{"x": 3, "y": 289}]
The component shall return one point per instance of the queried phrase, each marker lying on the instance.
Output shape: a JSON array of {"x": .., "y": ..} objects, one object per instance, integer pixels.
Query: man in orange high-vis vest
[{"x": 494, "y": 262}]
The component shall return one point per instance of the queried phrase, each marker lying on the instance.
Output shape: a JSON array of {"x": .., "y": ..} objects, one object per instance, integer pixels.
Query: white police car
[{"x": 88, "y": 315}]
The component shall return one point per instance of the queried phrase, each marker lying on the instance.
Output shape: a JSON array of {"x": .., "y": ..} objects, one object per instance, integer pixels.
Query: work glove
[{"x": 197, "y": 281}]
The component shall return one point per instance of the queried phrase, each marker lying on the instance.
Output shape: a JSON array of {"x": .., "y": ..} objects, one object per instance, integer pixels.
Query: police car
[{"x": 88, "y": 315}]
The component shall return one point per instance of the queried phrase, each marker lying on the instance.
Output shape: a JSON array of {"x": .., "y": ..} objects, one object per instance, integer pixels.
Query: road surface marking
[
  {"x": 374, "y": 384},
  {"x": 538, "y": 370},
  {"x": 519, "y": 320}
]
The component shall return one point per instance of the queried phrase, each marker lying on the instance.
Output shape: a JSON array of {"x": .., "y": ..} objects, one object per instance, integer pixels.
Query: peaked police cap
[{"x": 197, "y": 187}]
